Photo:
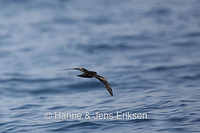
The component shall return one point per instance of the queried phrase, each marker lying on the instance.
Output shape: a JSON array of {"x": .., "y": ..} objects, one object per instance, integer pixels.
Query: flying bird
[{"x": 91, "y": 74}]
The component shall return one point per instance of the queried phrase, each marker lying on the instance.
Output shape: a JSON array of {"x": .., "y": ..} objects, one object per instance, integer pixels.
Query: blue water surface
[{"x": 149, "y": 51}]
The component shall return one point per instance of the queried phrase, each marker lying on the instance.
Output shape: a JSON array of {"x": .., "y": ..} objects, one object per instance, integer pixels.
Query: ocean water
[{"x": 149, "y": 51}]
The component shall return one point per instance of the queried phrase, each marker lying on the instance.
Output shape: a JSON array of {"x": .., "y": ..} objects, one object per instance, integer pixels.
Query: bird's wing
[
  {"x": 107, "y": 85},
  {"x": 81, "y": 69}
]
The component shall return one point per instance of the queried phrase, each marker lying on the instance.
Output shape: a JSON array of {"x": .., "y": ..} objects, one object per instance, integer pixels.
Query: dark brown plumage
[{"x": 91, "y": 74}]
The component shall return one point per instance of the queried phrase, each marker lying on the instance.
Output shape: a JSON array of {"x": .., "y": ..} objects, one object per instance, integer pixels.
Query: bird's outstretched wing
[
  {"x": 81, "y": 69},
  {"x": 107, "y": 85}
]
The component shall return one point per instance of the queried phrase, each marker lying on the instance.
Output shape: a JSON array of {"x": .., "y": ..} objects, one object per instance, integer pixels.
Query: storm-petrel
[{"x": 91, "y": 74}]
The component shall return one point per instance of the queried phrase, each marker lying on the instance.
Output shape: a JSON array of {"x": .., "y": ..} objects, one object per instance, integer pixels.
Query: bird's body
[{"x": 91, "y": 74}]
